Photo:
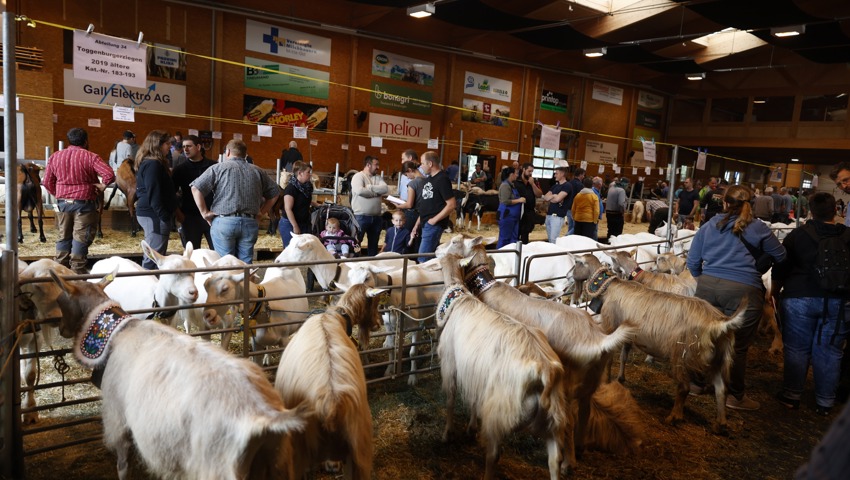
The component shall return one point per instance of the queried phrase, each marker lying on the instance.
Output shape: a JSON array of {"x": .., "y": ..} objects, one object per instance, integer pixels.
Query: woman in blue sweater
[
  {"x": 155, "y": 192},
  {"x": 726, "y": 274}
]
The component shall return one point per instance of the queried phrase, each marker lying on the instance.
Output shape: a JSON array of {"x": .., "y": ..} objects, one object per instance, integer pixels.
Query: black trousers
[
  {"x": 194, "y": 228},
  {"x": 615, "y": 223}
]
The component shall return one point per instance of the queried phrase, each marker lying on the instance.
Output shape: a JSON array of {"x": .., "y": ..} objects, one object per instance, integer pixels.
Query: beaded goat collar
[
  {"x": 94, "y": 339},
  {"x": 479, "y": 280},
  {"x": 635, "y": 273},
  {"x": 451, "y": 294},
  {"x": 598, "y": 282}
]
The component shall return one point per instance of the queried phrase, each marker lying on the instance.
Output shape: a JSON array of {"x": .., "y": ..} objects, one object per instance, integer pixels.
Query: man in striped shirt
[{"x": 72, "y": 177}]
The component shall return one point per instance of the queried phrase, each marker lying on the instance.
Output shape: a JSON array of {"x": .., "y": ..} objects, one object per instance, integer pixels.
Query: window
[
  {"x": 728, "y": 109},
  {"x": 544, "y": 161},
  {"x": 773, "y": 109},
  {"x": 824, "y": 108},
  {"x": 807, "y": 183},
  {"x": 734, "y": 178}
]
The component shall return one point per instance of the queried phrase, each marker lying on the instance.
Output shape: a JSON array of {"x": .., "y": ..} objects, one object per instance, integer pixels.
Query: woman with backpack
[
  {"x": 728, "y": 271},
  {"x": 814, "y": 286}
]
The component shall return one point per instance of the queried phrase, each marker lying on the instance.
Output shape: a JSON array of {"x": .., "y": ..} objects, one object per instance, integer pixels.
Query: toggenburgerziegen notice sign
[{"x": 110, "y": 60}]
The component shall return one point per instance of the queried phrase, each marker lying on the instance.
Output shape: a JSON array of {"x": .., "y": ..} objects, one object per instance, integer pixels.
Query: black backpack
[{"x": 832, "y": 267}]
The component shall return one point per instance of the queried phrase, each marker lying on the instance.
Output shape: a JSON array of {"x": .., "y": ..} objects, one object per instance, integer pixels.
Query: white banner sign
[
  {"x": 701, "y": 160},
  {"x": 109, "y": 59},
  {"x": 433, "y": 143},
  {"x": 392, "y": 127},
  {"x": 283, "y": 42},
  {"x": 165, "y": 56},
  {"x": 157, "y": 96},
  {"x": 648, "y": 150},
  {"x": 607, "y": 93},
  {"x": 484, "y": 86},
  {"x": 600, "y": 152},
  {"x": 299, "y": 132},
  {"x": 94, "y": 122},
  {"x": 124, "y": 114},
  {"x": 237, "y": 136},
  {"x": 264, "y": 130},
  {"x": 550, "y": 138},
  {"x": 377, "y": 142}
]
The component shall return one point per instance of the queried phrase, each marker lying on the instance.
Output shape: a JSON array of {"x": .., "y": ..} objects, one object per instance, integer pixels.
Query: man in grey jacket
[{"x": 367, "y": 188}]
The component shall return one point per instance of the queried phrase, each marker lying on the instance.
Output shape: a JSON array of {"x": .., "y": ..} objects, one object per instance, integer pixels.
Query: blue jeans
[
  {"x": 808, "y": 326},
  {"x": 571, "y": 228},
  {"x": 370, "y": 226},
  {"x": 285, "y": 229},
  {"x": 554, "y": 224},
  {"x": 235, "y": 236},
  {"x": 430, "y": 240}
]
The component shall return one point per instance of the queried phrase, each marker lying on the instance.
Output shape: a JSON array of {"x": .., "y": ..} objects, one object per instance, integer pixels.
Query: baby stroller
[{"x": 347, "y": 221}]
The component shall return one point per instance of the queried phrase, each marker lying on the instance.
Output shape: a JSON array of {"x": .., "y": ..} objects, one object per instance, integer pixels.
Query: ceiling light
[
  {"x": 422, "y": 11},
  {"x": 795, "y": 159},
  {"x": 760, "y": 101},
  {"x": 595, "y": 52},
  {"x": 789, "y": 31},
  {"x": 696, "y": 76}
]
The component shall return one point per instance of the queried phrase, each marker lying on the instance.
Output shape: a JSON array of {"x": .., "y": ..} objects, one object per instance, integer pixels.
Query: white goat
[
  {"x": 229, "y": 286},
  {"x": 143, "y": 292},
  {"x": 321, "y": 368},
  {"x": 191, "y": 410},
  {"x": 506, "y": 372}
]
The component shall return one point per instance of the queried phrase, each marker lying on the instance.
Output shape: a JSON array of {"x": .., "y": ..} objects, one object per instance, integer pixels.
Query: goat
[
  {"x": 125, "y": 180},
  {"x": 675, "y": 265},
  {"x": 638, "y": 210},
  {"x": 285, "y": 314},
  {"x": 191, "y": 409},
  {"x": 626, "y": 267},
  {"x": 29, "y": 199},
  {"x": 578, "y": 341},
  {"x": 506, "y": 372},
  {"x": 321, "y": 367},
  {"x": 695, "y": 337},
  {"x": 143, "y": 292}
]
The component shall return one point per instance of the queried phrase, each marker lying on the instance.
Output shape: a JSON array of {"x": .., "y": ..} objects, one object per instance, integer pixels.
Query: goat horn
[
  {"x": 466, "y": 261},
  {"x": 374, "y": 292}
]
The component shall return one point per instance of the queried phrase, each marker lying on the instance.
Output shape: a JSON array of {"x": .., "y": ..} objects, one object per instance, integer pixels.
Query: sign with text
[
  {"x": 550, "y": 137},
  {"x": 109, "y": 59},
  {"x": 157, "y": 96},
  {"x": 406, "y": 69},
  {"x": 293, "y": 80},
  {"x": 553, "y": 101},
  {"x": 648, "y": 120},
  {"x": 283, "y": 42},
  {"x": 607, "y": 93},
  {"x": 650, "y": 101},
  {"x": 485, "y": 112},
  {"x": 167, "y": 61},
  {"x": 600, "y": 152},
  {"x": 284, "y": 113},
  {"x": 401, "y": 98},
  {"x": 392, "y": 127},
  {"x": 486, "y": 86},
  {"x": 123, "y": 114}
]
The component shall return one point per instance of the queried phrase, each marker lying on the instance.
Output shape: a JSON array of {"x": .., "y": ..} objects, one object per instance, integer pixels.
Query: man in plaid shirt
[{"x": 72, "y": 177}]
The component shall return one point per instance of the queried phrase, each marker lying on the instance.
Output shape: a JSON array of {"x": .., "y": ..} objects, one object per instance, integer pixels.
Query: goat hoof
[
  {"x": 622, "y": 380},
  {"x": 30, "y": 419},
  {"x": 42, "y": 240},
  {"x": 672, "y": 420},
  {"x": 411, "y": 380}
]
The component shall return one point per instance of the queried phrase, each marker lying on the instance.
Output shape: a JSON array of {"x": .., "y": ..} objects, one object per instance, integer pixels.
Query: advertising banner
[
  {"x": 301, "y": 81},
  {"x": 157, "y": 96},
  {"x": 600, "y": 152},
  {"x": 283, "y": 42},
  {"x": 553, "y": 101},
  {"x": 486, "y": 86},
  {"x": 648, "y": 120},
  {"x": 164, "y": 62},
  {"x": 401, "y": 98},
  {"x": 607, "y": 93},
  {"x": 485, "y": 112},
  {"x": 406, "y": 69},
  {"x": 109, "y": 59},
  {"x": 392, "y": 127},
  {"x": 278, "y": 112},
  {"x": 650, "y": 101}
]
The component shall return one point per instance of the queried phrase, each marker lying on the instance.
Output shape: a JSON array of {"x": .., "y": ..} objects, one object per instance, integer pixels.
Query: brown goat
[
  {"x": 29, "y": 199},
  {"x": 125, "y": 180},
  {"x": 695, "y": 337}
]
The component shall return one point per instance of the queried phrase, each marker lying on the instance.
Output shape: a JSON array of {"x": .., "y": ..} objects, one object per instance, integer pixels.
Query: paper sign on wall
[
  {"x": 94, "y": 122},
  {"x": 123, "y": 114},
  {"x": 314, "y": 141},
  {"x": 377, "y": 142},
  {"x": 264, "y": 130},
  {"x": 634, "y": 170},
  {"x": 601, "y": 168},
  {"x": 583, "y": 165},
  {"x": 505, "y": 155},
  {"x": 433, "y": 143},
  {"x": 648, "y": 170},
  {"x": 299, "y": 132},
  {"x": 661, "y": 171},
  {"x": 345, "y": 146},
  {"x": 255, "y": 138},
  {"x": 361, "y": 148},
  {"x": 701, "y": 160},
  {"x": 383, "y": 151},
  {"x": 514, "y": 155},
  {"x": 617, "y": 169},
  {"x": 815, "y": 181},
  {"x": 217, "y": 135},
  {"x": 550, "y": 138},
  {"x": 648, "y": 150},
  {"x": 237, "y": 136},
  {"x": 192, "y": 131}
]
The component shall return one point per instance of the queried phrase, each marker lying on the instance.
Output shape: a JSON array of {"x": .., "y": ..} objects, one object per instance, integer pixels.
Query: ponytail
[{"x": 737, "y": 200}]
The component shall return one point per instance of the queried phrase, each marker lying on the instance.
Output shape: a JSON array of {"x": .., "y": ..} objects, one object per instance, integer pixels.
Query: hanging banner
[
  {"x": 485, "y": 112},
  {"x": 392, "y": 127},
  {"x": 400, "y": 98},
  {"x": 550, "y": 138},
  {"x": 156, "y": 96},
  {"x": 650, "y": 101},
  {"x": 398, "y": 67},
  {"x": 701, "y": 160},
  {"x": 108, "y": 59},
  {"x": 165, "y": 62},
  {"x": 284, "y": 113},
  {"x": 484, "y": 86},
  {"x": 283, "y": 42},
  {"x": 648, "y": 120},
  {"x": 600, "y": 152},
  {"x": 776, "y": 175},
  {"x": 553, "y": 101},
  {"x": 293, "y": 80},
  {"x": 607, "y": 93},
  {"x": 648, "y": 150}
]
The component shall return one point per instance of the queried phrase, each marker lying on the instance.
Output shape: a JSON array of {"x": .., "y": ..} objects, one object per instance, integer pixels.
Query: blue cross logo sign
[{"x": 273, "y": 40}]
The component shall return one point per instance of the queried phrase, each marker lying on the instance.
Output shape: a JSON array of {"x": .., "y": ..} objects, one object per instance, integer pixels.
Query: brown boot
[
  {"x": 78, "y": 265},
  {"x": 63, "y": 258}
]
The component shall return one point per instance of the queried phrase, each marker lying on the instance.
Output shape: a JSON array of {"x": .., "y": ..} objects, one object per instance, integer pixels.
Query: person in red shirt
[{"x": 72, "y": 177}]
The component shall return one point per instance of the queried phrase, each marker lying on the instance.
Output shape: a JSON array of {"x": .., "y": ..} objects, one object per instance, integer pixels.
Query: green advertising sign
[
  {"x": 302, "y": 81},
  {"x": 553, "y": 101},
  {"x": 401, "y": 98}
]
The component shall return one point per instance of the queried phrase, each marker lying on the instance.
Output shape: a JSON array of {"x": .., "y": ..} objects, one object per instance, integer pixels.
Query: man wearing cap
[
  {"x": 125, "y": 149},
  {"x": 557, "y": 210},
  {"x": 71, "y": 176}
]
